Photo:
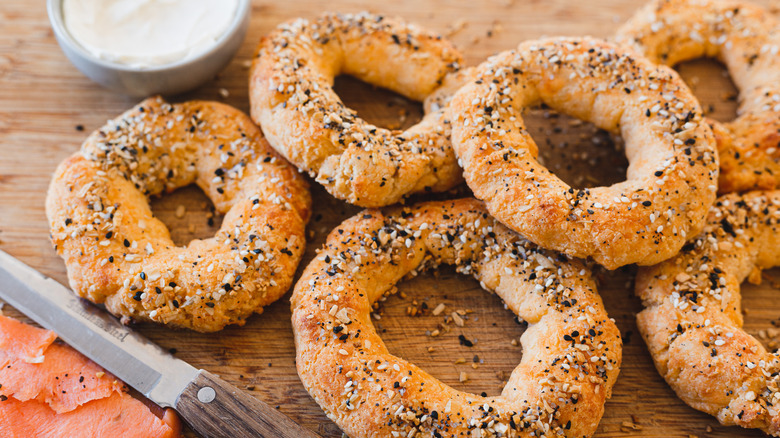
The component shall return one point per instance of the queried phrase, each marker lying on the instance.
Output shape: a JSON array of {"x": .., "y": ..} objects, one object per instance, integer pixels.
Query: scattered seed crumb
[
  {"x": 457, "y": 319},
  {"x": 465, "y": 341},
  {"x": 495, "y": 28},
  {"x": 456, "y": 27},
  {"x": 630, "y": 425}
]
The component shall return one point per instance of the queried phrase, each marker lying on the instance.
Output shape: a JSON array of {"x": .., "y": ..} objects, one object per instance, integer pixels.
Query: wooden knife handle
[{"x": 216, "y": 409}]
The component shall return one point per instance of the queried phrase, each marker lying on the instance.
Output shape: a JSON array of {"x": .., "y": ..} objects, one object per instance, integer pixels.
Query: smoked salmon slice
[
  {"x": 61, "y": 380},
  {"x": 119, "y": 415},
  {"x": 51, "y": 390},
  {"x": 21, "y": 341}
]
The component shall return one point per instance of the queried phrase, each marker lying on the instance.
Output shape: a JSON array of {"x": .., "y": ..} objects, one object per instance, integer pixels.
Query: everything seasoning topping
[
  {"x": 364, "y": 258},
  {"x": 655, "y": 209},
  {"x": 156, "y": 148},
  {"x": 292, "y": 80},
  {"x": 743, "y": 36},
  {"x": 693, "y": 299},
  {"x": 703, "y": 266}
]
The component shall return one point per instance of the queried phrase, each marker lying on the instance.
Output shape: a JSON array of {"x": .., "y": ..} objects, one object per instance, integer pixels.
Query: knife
[{"x": 211, "y": 406}]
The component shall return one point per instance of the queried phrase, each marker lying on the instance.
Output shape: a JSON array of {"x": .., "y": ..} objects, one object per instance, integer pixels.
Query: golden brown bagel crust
[
  {"x": 119, "y": 254},
  {"x": 292, "y": 98},
  {"x": 746, "y": 38},
  {"x": 692, "y": 320},
  {"x": 673, "y": 165},
  {"x": 571, "y": 349}
]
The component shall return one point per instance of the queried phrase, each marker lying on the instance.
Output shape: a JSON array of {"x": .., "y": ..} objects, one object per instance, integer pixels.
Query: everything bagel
[
  {"x": 119, "y": 254},
  {"x": 692, "y": 321},
  {"x": 746, "y": 38},
  {"x": 292, "y": 98},
  {"x": 571, "y": 349},
  {"x": 671, "y": 179}
]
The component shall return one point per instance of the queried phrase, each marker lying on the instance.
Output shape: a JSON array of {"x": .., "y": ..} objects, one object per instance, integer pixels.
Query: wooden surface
[{"x": 47, "y": 108}]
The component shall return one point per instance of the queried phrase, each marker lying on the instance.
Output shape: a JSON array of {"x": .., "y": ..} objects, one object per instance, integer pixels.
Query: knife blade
[{"x": 211, "y": 406}]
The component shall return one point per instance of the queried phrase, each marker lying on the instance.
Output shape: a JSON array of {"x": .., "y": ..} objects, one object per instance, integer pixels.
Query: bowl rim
[{"x": 54, "y": 10}]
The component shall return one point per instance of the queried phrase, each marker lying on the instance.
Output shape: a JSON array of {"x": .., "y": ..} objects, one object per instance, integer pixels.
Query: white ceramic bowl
[{"x": 165, "y": 79}]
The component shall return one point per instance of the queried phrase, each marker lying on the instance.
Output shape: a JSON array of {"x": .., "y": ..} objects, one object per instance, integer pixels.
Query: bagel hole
[
  {"x": 378, "y": 106},
  {"x": 188, "y": 213},
  {"x": 761, "y": 309},
  {"x": 482, "y": 347},
  {"x": 572, "y": 149},
  {"x": 712, "y": 85}
]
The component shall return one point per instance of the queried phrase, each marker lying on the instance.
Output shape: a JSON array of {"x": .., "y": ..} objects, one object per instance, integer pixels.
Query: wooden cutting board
[{"x": 47, "y": 108}]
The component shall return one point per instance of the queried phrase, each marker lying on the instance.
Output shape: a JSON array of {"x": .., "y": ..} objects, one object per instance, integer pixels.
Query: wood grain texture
[
  {"x": 44, "y": 100},
  {"x": 217, "y": 409}
]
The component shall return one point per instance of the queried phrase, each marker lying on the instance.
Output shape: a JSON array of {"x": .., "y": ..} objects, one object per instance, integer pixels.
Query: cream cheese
[{"x": 147, "y": 33}]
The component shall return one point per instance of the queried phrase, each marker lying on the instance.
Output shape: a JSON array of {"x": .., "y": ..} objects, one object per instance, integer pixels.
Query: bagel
[
  {"x": 746, "y": 38},
  {"x": 292, "y": 98},
  {"x": 571, "y": 349},
  {"x": 118, "y": 254},
  {"x": 673, "y": 168},
  {"x": 692, "y": 322}
]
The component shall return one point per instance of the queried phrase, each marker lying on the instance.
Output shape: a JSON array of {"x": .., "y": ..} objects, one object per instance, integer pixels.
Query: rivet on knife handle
[{"x": 216, "y": 409}]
